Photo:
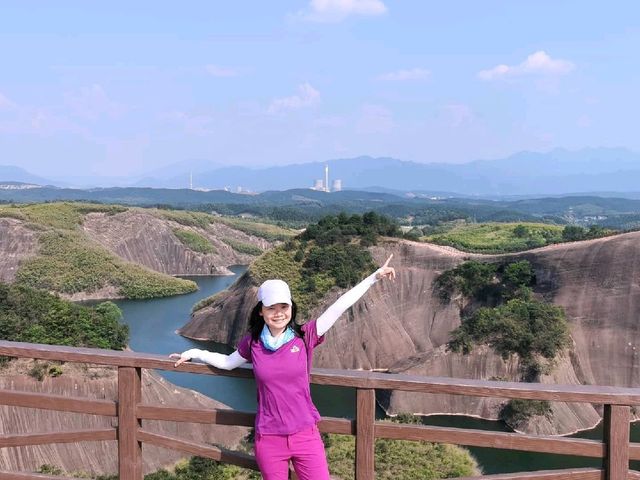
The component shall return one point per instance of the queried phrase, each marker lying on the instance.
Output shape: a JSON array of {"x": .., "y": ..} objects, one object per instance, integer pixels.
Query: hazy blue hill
[
  {"x": 556, "y": 172},
  {"x": 562, "y": 204},
  {"x": 559, "y": 171},
  {"x": 586, "y": 161},
  {"x": 16, "y": 174}
]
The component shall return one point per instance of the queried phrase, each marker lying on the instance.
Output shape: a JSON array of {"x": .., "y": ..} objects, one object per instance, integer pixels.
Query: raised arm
[
  {"x": 329, "y": 317},
  {"x": 218, "y": 360}
]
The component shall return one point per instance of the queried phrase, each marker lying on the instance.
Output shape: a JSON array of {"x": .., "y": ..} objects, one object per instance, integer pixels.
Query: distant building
[
  {"x": 323, "y": 185},
  {"x": 337, "y": 185},
  {"x": 326, "y": 178}
]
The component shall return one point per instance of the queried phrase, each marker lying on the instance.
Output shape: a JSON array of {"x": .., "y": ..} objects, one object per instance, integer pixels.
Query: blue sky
[{"x": 119, "y": 88}]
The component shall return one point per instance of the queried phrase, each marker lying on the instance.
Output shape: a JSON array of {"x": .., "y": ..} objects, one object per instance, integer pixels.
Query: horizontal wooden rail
[
  {"x": 45, "y": 401},
  {"x": 220, "y": 454},
  {"x": 485, "y": 438},
  {"x": 357, "y": 379},
  {"x": 570, "y": 474},
  {"x": 23, "y": 439},
  {"x": 342, "y": 426},
  {"x": 634, "y": 451},
  {"x": 224, "y": 416},
  {"x": 194, "y": 415},
  {"x": 633, "y": 475}
]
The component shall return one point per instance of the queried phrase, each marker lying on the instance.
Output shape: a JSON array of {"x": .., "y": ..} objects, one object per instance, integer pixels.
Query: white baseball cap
[{"x": 274, "y": 291}]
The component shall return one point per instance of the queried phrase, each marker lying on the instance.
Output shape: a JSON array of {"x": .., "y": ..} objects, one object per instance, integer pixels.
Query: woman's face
[{"x": 276, "y": 317}]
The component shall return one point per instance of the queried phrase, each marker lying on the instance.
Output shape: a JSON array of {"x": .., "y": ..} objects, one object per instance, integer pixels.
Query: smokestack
[{"x": 326, "y": 178}]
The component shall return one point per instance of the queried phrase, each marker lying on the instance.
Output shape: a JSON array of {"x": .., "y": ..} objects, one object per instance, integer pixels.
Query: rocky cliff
[
  {"x": 17, "y": 243},
  {"x": 98, "y": 457},
  {"x": 404, "y": 326},
  {"x": 142, "y": 237}
]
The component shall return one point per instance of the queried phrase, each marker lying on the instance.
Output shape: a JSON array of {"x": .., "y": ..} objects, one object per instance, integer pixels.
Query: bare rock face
[
  {"x": 17, "y": 243},
  {"x": 101, "y": 457},
  {"x": 483, "y": 363},
  {"x": 143, "y": 238},
  {"x": 403, "y": 326}
]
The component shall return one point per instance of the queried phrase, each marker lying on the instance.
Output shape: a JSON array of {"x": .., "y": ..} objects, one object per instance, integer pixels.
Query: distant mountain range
[
  {"x": 556, "y": 172},
  {"x": 9, "y": 173}
]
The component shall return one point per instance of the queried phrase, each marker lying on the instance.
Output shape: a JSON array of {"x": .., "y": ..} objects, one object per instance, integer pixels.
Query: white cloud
[
  {"x": 93, "y": 102},
  {"x": 538, "y": 63},
  {"x": 338, "y": 10},
  {"x": 219, "y": 71},
  {"x": 404, "y": 75},
  {"x": 375, "y": 119},
  {"x": 307, "y": 96}
]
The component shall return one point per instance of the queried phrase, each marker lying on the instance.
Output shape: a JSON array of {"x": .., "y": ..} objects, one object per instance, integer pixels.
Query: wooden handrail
[
  {"x": 342, "y": 378},
  {"x": 615, "y": 448}
]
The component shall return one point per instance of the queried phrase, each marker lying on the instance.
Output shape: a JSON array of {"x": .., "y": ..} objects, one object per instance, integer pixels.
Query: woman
[{"x": 281, "y": 352}]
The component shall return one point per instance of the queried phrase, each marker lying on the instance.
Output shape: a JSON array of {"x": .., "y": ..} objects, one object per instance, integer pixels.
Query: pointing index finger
[{"x": 386, "y": 264}]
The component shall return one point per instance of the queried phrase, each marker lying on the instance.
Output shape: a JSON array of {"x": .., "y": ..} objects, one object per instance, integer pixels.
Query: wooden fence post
[
  {"x": 365, "y": 434},
  {"x": 129, "y": 448},
  {"x": 616, "y": 437}
]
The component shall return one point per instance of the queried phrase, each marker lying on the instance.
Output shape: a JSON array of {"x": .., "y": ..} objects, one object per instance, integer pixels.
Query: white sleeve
[
  {"x": 329, "y": 317},
  {"x": 218, "y": 360}
]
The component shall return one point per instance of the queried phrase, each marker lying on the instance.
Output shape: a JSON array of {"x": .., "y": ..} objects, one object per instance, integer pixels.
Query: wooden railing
[{"x": 615, "y": 449}]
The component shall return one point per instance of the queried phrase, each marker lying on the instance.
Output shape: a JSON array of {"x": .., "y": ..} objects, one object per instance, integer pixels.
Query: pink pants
[{"x": 305, "y": 450}]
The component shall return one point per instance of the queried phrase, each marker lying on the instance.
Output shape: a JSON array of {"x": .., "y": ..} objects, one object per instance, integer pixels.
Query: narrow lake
[{"x": 153, "y": 324}]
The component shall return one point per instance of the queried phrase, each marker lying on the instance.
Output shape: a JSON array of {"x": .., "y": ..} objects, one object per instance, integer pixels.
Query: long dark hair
[{"x": 256, "y": 322}]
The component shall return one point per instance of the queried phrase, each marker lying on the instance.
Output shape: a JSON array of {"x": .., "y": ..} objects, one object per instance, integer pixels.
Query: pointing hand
[{"x": 385, "y": 271}]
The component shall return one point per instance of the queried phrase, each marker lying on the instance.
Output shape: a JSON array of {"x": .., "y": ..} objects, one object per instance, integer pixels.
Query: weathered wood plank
[
  {"x": 356, "y": 379},
  {"x": 57, "y": 402},
  {"x": 129, "y": 447},
  {"x": 570, "y": 474},
  {"x": 481, "y": 438},
  {"x": 633, "y": 475},
  {"x": 195, "y": 415},
  {"x": 25, "y": 439},
  {"x": 342, "y": 426},
  {"x": 478, "y": 388},
  {"x": 220, "y": 454},
  {"x": 365, "y": 433},
  {"x": 230, "y": 417},
  {"x": 634, "y": 451},
  {"x": 616, "y": 436},
  {"x": 115, "y": 358}
]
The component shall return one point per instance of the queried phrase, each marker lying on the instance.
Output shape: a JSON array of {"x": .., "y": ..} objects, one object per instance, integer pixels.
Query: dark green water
[{"x": 153, "y": 324}]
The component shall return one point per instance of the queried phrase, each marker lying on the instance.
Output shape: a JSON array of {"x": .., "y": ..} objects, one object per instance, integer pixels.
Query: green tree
[
  {"x": 517, "y": 277},
  {"x": 521, "y": 231},
  {"x": 572, "y": 233}
]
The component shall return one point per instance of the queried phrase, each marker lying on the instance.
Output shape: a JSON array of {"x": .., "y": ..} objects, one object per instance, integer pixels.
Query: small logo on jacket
[{"x": 295, "y": 349}]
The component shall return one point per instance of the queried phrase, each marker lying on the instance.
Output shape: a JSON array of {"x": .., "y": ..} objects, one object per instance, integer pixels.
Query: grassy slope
[
  {"x": 497, "y": 237},
  {"x": 68, "y": 262}
]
